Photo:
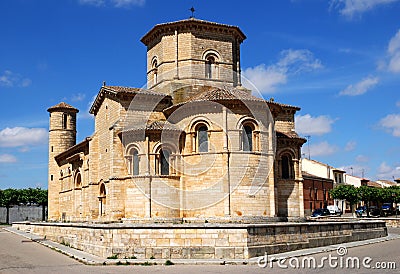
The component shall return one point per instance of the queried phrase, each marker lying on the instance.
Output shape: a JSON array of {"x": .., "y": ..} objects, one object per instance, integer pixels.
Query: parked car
[
  {"x": 334, "y": 210},
  {"x": 373, "y": 211},
  {"x": 361, "y": 210},
  {"x": 319, "y": 212},
  {"x": 387, "y": 209}
]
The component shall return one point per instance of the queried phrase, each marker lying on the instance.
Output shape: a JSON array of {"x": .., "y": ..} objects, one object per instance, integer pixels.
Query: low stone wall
[
  {"x": 206, "y": 241},
  {"x": 392, "y": 222}
]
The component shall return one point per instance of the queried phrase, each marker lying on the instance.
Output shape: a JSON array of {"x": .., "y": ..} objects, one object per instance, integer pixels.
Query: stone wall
[
  {"x": 181, "y": 55},
  {"x": 202, "y": 241},
  {"x": 23, "y": 213},
  {"x": 392, "y": 222},
  {"x": 62, "y": 136}
]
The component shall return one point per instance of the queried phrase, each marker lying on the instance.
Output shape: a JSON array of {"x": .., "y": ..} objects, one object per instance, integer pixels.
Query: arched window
[
  {"x": 133, "y": 162},
  {"x": 164, "y": 161},
  {"x": 287, "y": 167},
  {"x": 250, "y": 135},
  {"x": 210, "y": 61},
  {"x": 247, "y": 138},
  {"x": 102, "y": 190},
  {"x": 202, "y": 137},
  {"x": 154, "y": 65},
  {"x": 78, "y": 181},
  {"x": 102, "y": 200}
]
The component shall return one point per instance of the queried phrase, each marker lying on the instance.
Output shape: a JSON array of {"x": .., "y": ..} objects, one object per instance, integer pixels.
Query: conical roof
[
  {"x": 192, "y": 24},
  {"x": 219, "y": 95},
  {"x": 63, "y": 106}
]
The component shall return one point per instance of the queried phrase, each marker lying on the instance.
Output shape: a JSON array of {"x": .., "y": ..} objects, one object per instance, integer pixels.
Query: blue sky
[{"x": 338, "y": 60}]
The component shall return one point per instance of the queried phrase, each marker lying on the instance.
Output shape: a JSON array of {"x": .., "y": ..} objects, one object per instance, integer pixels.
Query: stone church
[{"x": 194, "y": 145}]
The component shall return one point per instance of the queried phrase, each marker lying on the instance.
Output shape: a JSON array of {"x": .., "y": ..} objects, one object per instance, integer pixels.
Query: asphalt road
[{"x": 19, "y": 255}]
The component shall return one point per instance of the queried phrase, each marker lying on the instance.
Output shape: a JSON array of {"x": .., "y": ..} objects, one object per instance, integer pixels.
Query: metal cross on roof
[{"x": 192, "y": 10}]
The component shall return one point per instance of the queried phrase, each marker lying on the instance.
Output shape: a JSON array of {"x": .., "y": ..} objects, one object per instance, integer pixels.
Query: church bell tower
[
  {"x": 189, "y": 53},
  {"x": 62, "y": 136}
]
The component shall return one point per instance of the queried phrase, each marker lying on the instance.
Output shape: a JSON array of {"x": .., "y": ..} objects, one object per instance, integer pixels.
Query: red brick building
[{"x": 316, "y": 192}]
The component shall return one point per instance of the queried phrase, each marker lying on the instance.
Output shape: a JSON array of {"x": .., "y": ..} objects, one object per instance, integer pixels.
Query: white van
[{"x": 334, "y": 210}]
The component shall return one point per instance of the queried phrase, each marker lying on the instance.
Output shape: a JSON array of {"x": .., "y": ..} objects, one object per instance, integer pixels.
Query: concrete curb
[{"x": 90, "y": 259}]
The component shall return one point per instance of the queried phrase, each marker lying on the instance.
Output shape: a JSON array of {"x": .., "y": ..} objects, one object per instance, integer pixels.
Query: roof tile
[
  {"x": 61, "y": 106},
  {"x": 119, "y": 90}
]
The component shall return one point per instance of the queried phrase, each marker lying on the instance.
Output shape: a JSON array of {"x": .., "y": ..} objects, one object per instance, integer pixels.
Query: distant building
[
  {"x": 194, "y": 144},
  {"x": 316, "y": 192},
  {"x": 386, "y": 183},
  {"x": 327, "y": 172},
  {"x": 338, "y": 176}
]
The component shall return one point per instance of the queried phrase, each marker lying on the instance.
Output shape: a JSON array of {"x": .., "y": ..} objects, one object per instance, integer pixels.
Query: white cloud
[
  {"x": 321, "y": 149},
  {"x": 361, "y": 87},
  {"x": 267, "y": 78},
  {"x": 308, "y": 125},
  {"x": 78, "y": 97},
  {"x": 394, "y": 43},
  {"x": 5, "y": 79},
  {"x": 383, "y": 167},
  {"x": 11, "y": 79},
  {"x": 86, "y": 114},
  {"x": 295, "y": 61},
  {"x": 345, "y": 50},
  {"x": 362, "y": 159},
  {"x": 21, "y": 136},
  {"x": 24, "y": 149},
  {"x": 25, "y": 82},
  {"x": 96, "y": 3},
  {"x": 355, "y": 170},
  {"x": 115, "y": 3},
  {"x": 391, "y": 123},
  {"x": 350, "y": 8},
  {"x": 7, "y": 158},
  {"x": 394, "y": 53},
  {"x": 127, "y": 3},
  {"x": 264, "y": 78},
  {"x": 386, "y": 171},
  {"x": 351, "y": 145}
]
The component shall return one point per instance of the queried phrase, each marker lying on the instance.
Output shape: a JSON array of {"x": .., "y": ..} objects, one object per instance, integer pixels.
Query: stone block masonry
[{"x": 202, "y": 241}]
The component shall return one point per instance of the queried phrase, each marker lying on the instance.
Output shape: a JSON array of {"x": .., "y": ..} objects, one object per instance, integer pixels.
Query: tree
[
  {"x": 390, "y": 195},
  {"x": 345, "y": 192},
  {"x": 1, "y": 199},
  {"x": 34, "y": 196},
  {"x": 395, "y": 193},
  {"x": 367, "y": 194},
  {"x": 384, "y": 195},
  {"x": 42, "y": 199},
  {"x": 28, "y": 196},
  {"x": 9, "y": 198}
]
